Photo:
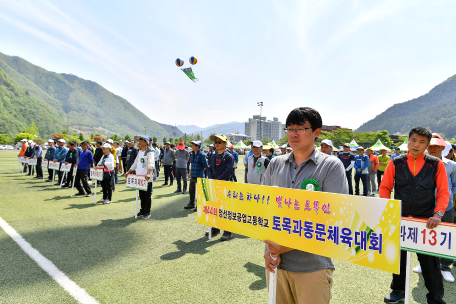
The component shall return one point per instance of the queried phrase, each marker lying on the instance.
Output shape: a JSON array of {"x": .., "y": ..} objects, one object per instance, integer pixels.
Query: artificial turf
[{"x": 165, "y": 259}]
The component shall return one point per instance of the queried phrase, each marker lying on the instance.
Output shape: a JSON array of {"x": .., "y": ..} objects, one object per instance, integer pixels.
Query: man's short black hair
[
  {"x": 299, "y": 116},
  {"x": 154, "y": 144},
  {"x": 99, "y": 142},
  {"x": 271, "y": 150},
  {"x": 422, "y": 131},
  {"x": 172, "y": 146},
  {"x": 84, "y": 143},
  {"x": 72, "y": 143}
]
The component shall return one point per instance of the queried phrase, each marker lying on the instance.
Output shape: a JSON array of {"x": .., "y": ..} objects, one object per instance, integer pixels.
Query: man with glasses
[
  {"x": 303, "y": 277},
  {"x": 221, "y": 168},
  {"x": 348, "y": 159}
]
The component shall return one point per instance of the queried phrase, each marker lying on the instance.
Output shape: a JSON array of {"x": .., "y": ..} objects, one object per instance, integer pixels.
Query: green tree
[
  {"x": 91, "y": 136},
  {"x": 154, "y": 139},
  {"x": 338, "y": 137},
  {"x": 64, "y": 132},
  {"x": 32, "y": 129},
  {"x": 20, "y": 136},
  {"x": 171, "y": 140},
  {"x": 127, "y": 137},
  {"x": 197, "y": 137},
  {"x": 231, "y": 139},
  {"x": 266, "y": 140},
  {"x": 5, "y": 139},
  {"x": 164, "y": 139},
  {"x": 81, "y": 136},
  {"x": 177, "y": 140},
  {"x": 284, "y": 140}
]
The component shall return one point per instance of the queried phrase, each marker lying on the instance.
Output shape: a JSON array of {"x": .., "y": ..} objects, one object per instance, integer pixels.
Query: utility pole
[
  {"x": 145, "y": 130},
  {"x": 67, "y": 127},
  {"x": 260, "y": 104},
  {"x": 174, "y": 132}
]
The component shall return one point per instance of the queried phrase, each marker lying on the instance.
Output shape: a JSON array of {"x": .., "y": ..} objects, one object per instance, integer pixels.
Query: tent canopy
[
  {"x": 379, "y": 146},
  {"x": 353, "y": 145},
  {"x": 274, "y": 145},
  {"x": 241, "y": 145},
  {"x": 404, "y": 146}
]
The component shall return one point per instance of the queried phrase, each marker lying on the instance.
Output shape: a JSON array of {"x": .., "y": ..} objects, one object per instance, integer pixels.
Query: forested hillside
[
  {"x": 435, "y": 110},
  {"x": 18, "y": 108},
  {"x": 84, "y": 103}
]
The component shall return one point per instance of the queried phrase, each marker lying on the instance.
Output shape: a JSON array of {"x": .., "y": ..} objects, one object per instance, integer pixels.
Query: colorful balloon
[
  {"x": 179, "y": 62},
  {"x": 193, "y": 60}
]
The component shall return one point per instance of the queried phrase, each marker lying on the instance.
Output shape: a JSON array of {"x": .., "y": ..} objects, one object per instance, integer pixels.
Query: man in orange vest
[{"x": 22, "y": 152}]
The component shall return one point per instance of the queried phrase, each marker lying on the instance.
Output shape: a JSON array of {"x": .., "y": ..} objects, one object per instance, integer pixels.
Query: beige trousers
[{"x": 303, "y": 288}]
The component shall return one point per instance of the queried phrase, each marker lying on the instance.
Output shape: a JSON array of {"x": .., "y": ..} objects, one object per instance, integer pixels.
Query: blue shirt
[
  {"x": 361, "y": 162},
  {"x": 395, "y": 155},
  {"x": 199, "y": 163},
  {"x": 37, "y": 152},
  {"x": 246, "y": 158},
  {"x": 60, "y": 154},
  {"x": 85, "y": 159},
  {"x": 235, "y": 156},
  {"x": 50, "y": 153},
  {"x": 79, "y": 149}
]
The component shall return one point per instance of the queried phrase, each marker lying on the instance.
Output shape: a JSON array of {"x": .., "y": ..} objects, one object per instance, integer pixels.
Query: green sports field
[{"x": 165, "y": 259}]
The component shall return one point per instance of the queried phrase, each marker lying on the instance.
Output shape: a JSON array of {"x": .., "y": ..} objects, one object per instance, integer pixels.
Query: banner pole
[
  {"x": 20, "y": 166},
  {"x": 273, "y": 284},
  {"x": 407, "y": 278},
  {"x": 63, "y": 177},
  {"x": 136, "y": 210},
  {"x": 53, "y": 177},
  {"x": 72, "y": 184},
  {"x": 31, "y": 172},
  {"x": 44, "y": 173},
  {"x": 209, "y": 235},
  {"x": 22, "y": 173},
  {"x": 95, "y": 197}
]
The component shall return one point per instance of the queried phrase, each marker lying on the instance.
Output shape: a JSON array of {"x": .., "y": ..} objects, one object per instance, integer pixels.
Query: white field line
[{"x": 71, "y": 287}]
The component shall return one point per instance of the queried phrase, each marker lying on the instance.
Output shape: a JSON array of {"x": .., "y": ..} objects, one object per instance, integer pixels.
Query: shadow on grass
[
  {"x": 419, "y": 292},
  {"x": 73, "y": 250},
  {"x": 259, "y": 271},
  {"x": 198, "y": 246}
]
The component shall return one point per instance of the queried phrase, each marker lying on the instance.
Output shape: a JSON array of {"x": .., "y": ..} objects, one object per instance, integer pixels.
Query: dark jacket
[
  {"x": 50, "y": 153},
  {"x": 222, "y": 171},
  {"x": 417, "y": 193},
  {"x": 98, "y": 154},
  {"x": 72, "y": 156},
  {"x": 28, "y": 152},
  {"x": 123, "y": 154},
  {"x": 133, "y": 154}
]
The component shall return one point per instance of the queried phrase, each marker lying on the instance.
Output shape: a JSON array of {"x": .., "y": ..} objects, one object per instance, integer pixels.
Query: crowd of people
[{"x": 427, "y": 169}]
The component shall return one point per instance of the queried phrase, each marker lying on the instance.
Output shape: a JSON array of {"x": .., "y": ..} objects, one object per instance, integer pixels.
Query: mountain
[
  {"x": 435, "y": 110},
  {"x": 86, "y": 105},
  {"x": 230, "y": 127},
  {"x": 18, "y": 108}
]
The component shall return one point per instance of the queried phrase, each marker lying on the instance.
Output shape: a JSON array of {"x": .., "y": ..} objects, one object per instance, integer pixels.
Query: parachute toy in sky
[
  {"x": 188, "y": 71},
  {"x": 179, "y": 62}
]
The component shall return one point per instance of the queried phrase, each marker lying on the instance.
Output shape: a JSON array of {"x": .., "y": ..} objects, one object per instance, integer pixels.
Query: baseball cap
[
  {"x": 167, "y": 143},
  {"x": 437, "y": 140},
  {"x": 145, "y": 138},
  {"x": 347, "y": 145},
  {"x": 181, "y": 146},
  {"x": 51, "y": 140},
  {"x": 106, "y": 145},
  {"x": 328, "y": 142},
  {"x": 62, "y": 140},
  {"x": 126, "y": 141},
  {"x": 283, "y": 146},
  {"x": 360, "y": 148},
  {"x": 257, "y": 143},
  {"x": 110, "y": 141},
  {"x": 370, "y": 149},
  {"x": 267, "y": 147},
  {"x": 219, "y": 136},
  {"x": 24, "y": 139},
  {"x": 30, "y": 141},
  {"x": 211, "y": 145},
  {"x": 230, "y": 146},
  {"x": 447, "y": 149},
  {"x": 196, "y": 142}
]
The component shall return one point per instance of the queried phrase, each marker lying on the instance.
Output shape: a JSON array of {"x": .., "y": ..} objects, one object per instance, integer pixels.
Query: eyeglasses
[
  {"x": 219, "y": 142},
  {"x": 297, "y": 131}
]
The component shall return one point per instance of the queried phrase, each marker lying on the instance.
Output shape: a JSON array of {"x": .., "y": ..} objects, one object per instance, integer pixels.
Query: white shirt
[
  {"x": 141, "y": 168},
  {"x": 118, "y": 151}
]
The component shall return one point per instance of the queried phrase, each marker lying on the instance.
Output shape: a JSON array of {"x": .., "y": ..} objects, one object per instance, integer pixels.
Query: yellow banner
[{"x": 355, "y": 229}]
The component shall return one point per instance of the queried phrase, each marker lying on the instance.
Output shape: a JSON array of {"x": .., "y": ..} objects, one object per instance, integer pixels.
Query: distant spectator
[
  {"x": 371, "y": 172},
  {"x": 361, "y": 163},
  {"x": 235, "y": 162},
  {"x": 348, "y": 159},
  {"x": 383, "y": 162},
  {"x": 182, "y": 158}
]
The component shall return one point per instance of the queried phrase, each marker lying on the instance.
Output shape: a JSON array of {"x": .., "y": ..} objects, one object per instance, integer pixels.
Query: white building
[{"x": 269, "y": 128}]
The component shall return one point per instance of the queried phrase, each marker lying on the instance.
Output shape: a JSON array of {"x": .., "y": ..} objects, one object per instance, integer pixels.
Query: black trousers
[
  {"x": 39, "y": 170},
  {"x": 124, "y": 164},
  {"x": 61, "y": 175},
  {"x": 181, "y": 173},
  {"x": 363, "y": 178},
  {"x": 69, "y": 177},
  {"x": 233, "y": 176},
  {"x": 107, "y": 190},
  {"x": 146, "y": 198},
  {"x": 81, "y": 175},
  {"x": 25, "y": 168},
  {"x": 157, "y": 167},
  {"x": 349, "y": 180},
  {"x": 192, "y": 190},
  {"x": 168, "y": 173},
  {"x": 379, "y": 177},
  {"x": 431, "y": 273},
  {"x": 50, "y": 172},
  {"x": 245, "y": 176}
]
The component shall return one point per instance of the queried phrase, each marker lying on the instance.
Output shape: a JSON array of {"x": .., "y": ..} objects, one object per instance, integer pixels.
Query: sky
[{"x": 350, "y": 60}]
